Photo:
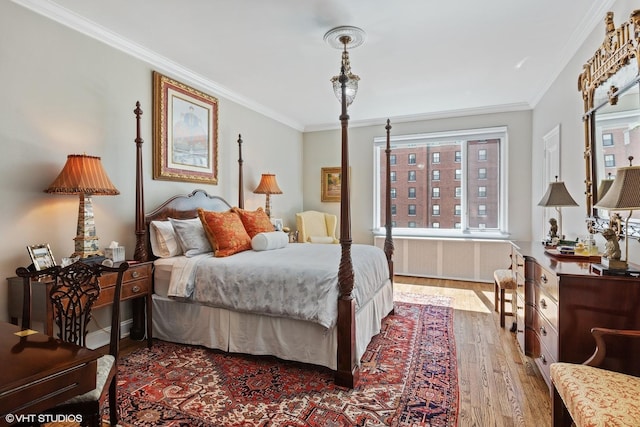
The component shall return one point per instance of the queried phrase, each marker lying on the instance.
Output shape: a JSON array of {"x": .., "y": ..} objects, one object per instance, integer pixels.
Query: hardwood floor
[{"x": 499, "y": 386}]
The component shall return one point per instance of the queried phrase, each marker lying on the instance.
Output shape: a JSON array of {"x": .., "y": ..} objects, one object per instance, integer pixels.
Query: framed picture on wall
[
  {"x": 41, "y": 256},
  {"x": 185, "y": 132},
  {"x": 331, "y": 181}
]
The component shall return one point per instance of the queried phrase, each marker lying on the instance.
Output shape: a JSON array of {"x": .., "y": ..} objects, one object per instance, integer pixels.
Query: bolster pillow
[{"x": 267, "y": 241}]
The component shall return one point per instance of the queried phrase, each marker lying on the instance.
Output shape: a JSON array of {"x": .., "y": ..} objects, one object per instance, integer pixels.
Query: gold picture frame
[
  {"x": 331, "y": 181},
  {"x": 41, "y": 256},
  {"x": 185, "y": 132}
]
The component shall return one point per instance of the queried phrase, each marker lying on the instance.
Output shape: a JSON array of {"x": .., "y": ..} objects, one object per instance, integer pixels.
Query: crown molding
[{"x": 72, "y": 20}]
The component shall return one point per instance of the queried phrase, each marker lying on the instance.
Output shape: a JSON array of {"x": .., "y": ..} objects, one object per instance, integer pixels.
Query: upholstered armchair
[
  {"x": 316, "y": 227},
  {"x": 591, "y": 396}
]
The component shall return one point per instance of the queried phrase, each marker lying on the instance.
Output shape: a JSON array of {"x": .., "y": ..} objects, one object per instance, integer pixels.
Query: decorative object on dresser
[
  {"x": 41, "y": 256},
  {"x": 185, "y": 132},
  {"x": 268, "y": 185},
  {"x": 84, "y": 175},
  {"x": 590, "y": 396},
  {"x": 624, "y": 195},
  {"x": 556, "y": 197},
  {"x": 609, "y": 85},
  {"x": 74, "y": 290}
]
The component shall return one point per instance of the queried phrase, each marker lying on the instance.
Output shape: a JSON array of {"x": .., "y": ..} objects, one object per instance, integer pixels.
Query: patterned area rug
[{"x": 408, "y": 378}]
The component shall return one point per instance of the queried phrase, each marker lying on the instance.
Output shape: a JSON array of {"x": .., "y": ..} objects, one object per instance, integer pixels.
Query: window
[
  {"x": 469, "y": 172},
  {"x": 607, "y": 139},
  {"x": 393, "y": 193},
  {"x": 412, "y": 224},
  {"x": 394, "y": 209},
  {"x": 392, "y": 174},
  {"x": 392, "y": 159},
  {"x": 609, "y": 160}
]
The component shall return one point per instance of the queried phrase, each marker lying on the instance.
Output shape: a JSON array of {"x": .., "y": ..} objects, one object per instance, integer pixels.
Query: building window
[
  {"x": 482, "y": 210},
  {"x": 412, "y": 224},
  {"x": 394, "y": 224},
  {"x": 393, "y": 176},
  {"x": 435, "y": 225},
  {"x": 392, "y": 159},
  {"x": 609, "y": 160},
  {"x": 393, "y": 193},
  {"x": 394, "y": 209},
  {"x": 452, "y": 190},
  {"x": 411, "y": 210},
  {"x": 607, "y": 139}
]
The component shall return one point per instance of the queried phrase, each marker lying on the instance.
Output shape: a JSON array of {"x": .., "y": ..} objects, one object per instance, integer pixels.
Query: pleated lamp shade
[
  {"x": 85, "y": 176},
  {"x": 557, "y": 195},
  {"x": 604, "y": 187},
  {"x": 624, "y": 194},
  {"x": 268, "y": 185}
]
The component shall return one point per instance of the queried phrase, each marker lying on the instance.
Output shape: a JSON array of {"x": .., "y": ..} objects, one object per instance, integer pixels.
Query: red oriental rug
[{"x": 408, "y": 378}]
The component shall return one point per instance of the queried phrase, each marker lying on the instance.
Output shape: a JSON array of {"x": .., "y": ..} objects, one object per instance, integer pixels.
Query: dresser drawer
[
  {"x": 546, "y": 280},
  {"x": 548, "y": 336},
  {"x": 544, "y": 363},
  {"x": 547, "y": 307}
]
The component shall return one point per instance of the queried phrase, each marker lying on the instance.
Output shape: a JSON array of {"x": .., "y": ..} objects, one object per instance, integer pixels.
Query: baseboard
[{"x": 102, "y": 336}]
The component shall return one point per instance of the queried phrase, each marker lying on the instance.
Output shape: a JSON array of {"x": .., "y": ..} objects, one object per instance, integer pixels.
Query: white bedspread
[{"x": 298, "y": 281}]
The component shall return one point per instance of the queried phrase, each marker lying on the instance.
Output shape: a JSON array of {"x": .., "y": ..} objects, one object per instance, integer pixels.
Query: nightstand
[{"x": 136, "y": 286}]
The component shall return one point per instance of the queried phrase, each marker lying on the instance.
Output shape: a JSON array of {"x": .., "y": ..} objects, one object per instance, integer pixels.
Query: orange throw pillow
[
  {"x": 254, "y": 221},
  {"x": 225, "y": 232}
]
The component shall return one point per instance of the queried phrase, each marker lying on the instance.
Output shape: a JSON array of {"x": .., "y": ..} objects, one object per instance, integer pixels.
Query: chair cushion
[
  {"x": 505, "y": 279},
  {"x": 105, "y": 363},
  {"x": 596, "y": 397}
]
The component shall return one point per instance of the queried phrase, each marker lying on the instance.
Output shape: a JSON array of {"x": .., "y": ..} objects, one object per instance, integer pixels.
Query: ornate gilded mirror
[{"x": 610, "y": 84}]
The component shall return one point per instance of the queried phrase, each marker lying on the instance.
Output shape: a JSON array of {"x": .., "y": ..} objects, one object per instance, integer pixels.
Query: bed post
[
  {"x": 240, "y": 179},
  {"x": 140, "y": 253},
  {"x": 388, "y": 240},
  {"x": 348, "y": 371}
]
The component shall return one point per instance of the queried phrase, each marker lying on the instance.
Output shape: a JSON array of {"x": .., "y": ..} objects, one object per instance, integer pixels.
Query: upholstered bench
[
  {"x": 504, "y": 280},
  {"x": 592, "y": 396}
]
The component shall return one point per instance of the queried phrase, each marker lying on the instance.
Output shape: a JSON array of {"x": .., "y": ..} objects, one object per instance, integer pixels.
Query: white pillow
[
  {"x": 269, "y": 240},
  {"x": 191, "y": 236},
  {"x": 163, "y": 240},
  {"x": 321, "y": 239}
]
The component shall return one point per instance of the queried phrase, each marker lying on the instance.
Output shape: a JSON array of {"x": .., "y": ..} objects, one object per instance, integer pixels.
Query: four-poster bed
[{"x": 337, "y": 344}]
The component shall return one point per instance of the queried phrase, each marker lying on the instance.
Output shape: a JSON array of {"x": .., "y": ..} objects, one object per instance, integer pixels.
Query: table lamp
[
  {"x": 268, "y": 186},
  {"x": 84, "y": 175},
  {"x": 557, "y": 196},
  {"x": 624, "y": 195}
]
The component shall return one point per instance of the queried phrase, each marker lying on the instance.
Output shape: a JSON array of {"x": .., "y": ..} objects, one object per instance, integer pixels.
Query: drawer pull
[
  {"x": 136, "y": 288},
  {"x": 543, "y": 331},
  {"x": 543, "y": 303},
  {"x": 543, "y": 278},
  {"x": 543, "y": 359},
  {"x": 135, "y": 274}
]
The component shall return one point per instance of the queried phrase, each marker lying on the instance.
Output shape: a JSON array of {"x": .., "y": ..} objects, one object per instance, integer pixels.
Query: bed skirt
[{"x": 289, "y": 339}]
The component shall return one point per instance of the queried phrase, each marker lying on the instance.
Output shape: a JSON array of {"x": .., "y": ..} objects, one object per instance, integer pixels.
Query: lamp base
[{"x": 614, "y": 264}]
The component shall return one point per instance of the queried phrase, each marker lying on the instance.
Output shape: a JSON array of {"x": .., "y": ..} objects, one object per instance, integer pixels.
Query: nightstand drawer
[
  {"x": 135, "y": 272},
  {"x": 130, "y": 289}
]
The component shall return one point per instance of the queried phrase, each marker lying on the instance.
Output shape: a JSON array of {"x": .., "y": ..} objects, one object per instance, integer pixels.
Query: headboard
[{"x": 183, "y": 207}]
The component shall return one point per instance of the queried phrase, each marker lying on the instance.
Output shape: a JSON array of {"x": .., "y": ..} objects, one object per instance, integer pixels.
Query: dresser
[
  {"x": 136, "y": 286},
  {"x": 560, "y": 300}
]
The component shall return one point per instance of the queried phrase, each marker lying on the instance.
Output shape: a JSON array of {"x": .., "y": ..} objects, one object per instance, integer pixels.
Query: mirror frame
[{"x": 621, "y": 45}]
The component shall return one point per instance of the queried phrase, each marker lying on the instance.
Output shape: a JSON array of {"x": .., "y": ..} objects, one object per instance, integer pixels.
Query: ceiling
[{"x": 421, "y": 58}]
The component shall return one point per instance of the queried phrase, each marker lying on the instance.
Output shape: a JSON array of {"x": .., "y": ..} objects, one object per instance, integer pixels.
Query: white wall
[
  {"x": 563, "y": 104},
  {"x": 65, "y": 93},
  {"x": 322, "y": 149}
]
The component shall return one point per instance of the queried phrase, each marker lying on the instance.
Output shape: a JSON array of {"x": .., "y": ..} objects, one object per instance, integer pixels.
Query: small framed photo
[
  {"x": 277, "y": 223},
  {"x": 41, "y": 256}
]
